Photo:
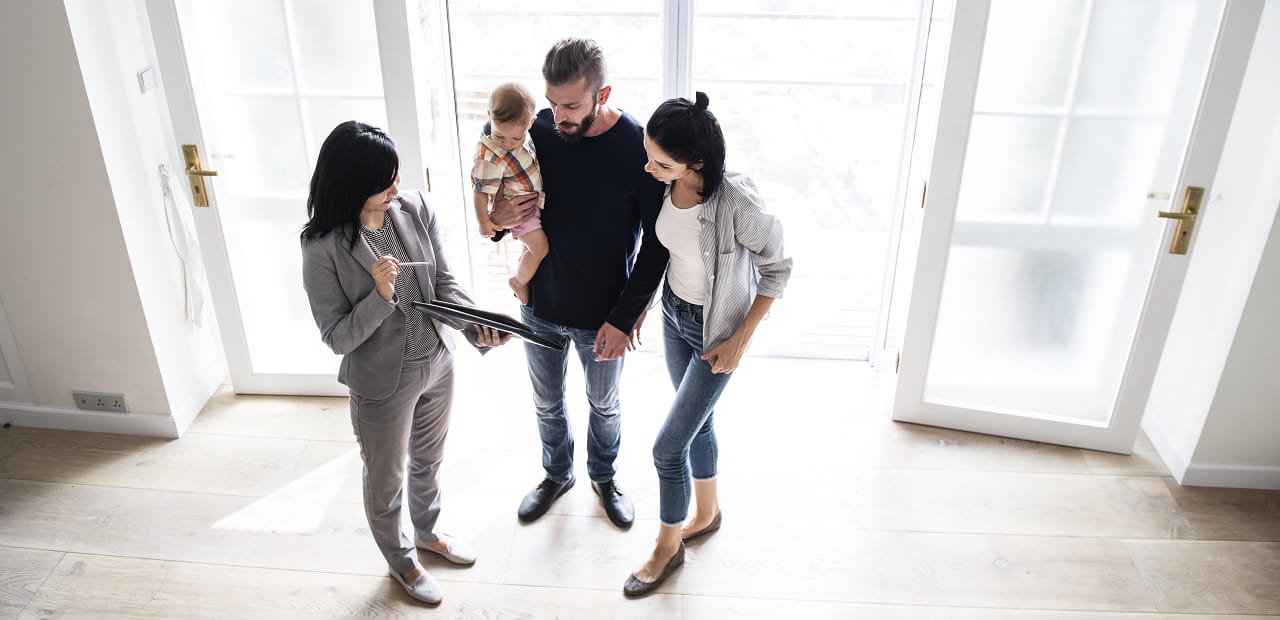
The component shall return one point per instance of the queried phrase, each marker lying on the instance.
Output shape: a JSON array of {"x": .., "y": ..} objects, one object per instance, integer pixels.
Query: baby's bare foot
[{"x": 521, "y": 290}]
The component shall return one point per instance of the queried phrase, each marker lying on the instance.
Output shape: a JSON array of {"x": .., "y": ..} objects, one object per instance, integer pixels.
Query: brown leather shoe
[
  {"x": 711, "y": 527},
  {"x": 635, "y": 587}
]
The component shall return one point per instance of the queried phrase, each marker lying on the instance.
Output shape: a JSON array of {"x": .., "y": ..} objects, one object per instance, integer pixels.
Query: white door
[
  {"x": 1044, "y": 285},
  {"x": 256, "y": 86}
]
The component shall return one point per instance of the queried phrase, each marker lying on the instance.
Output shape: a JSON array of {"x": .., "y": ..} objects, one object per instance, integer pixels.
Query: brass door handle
[
  {"x": 196, "y": 175},
  {"x": 1186, "y": 219}
]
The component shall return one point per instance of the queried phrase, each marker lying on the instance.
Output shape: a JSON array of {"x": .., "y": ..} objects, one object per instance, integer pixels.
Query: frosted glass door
[
  {"x": 257, "y": 86},
  {"x": 1042, "y": 256}
]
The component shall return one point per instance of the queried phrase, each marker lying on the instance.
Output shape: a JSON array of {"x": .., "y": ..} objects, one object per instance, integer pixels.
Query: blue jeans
[
  {"x": 547, "y": 369},
  {"x": 686, "y": 444}
]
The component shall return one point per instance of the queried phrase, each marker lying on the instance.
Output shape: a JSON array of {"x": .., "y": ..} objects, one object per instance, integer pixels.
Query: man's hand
[
  {"x": 511, "y": 212},
  {"x": 611, "y": 343}
]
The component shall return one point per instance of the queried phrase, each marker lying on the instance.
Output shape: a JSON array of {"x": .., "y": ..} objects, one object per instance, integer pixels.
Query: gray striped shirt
[
  {"x": 420, "y": 337},
  {"x": 743, "y": 255}
]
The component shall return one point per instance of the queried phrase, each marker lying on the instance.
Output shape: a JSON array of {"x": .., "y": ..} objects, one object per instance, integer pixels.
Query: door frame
[{"x": 1221, "y": 88}]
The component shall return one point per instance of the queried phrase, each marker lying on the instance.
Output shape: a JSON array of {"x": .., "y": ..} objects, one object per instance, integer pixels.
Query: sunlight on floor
[{"x": 298, "y": 507}]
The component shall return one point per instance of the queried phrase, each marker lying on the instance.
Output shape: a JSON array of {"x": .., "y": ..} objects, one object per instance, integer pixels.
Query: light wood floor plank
[
  {"x": 22, "y": 572},
  {"x": 1229, "y": 514},
  {"x": 844, "y": 565},
  {"x": 268, "y": 532},
  {"x": 87, "y": 586},
  {"x": 766, "y": 609},
  {"x": 1144, "y": 461},
  {"x": 188, "y": 527},
  {"x": 235, "y": 465},
  {"x": 952, "y": 501},
  {"x": 1211, "y": 577},
  {"x": 287, "y": 417}
]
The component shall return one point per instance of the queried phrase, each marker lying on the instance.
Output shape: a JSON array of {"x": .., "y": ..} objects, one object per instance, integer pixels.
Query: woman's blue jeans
[{"x": 685, "y": 448}]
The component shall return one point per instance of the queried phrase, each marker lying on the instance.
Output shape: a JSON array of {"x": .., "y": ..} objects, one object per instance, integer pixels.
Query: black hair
[
  {"x": 356, "y": 161},
  {"x": 689, "y": 133}
]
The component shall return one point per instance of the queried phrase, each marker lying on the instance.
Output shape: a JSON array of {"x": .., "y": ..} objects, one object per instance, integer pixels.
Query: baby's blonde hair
[{"x": 510, "y": 102}]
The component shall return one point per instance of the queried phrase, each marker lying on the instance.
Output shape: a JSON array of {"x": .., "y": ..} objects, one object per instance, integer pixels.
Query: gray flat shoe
[
  {"x": 458, "y": 551},
  {"x": 711, "y": 527},
  {"x": 635, "y": 587},
  {"x": 425, "y": 589}
]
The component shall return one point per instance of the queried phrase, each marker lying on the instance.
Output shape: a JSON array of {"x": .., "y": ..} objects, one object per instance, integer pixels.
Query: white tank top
[{"x": 678, "y": 230}]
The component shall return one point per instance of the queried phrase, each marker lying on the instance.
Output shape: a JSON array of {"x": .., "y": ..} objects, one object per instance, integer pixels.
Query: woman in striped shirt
[{"x": 727, "y": 266}]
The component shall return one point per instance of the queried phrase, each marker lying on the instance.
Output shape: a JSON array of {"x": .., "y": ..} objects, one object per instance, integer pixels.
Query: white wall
[
  {"x": 113, "y": 41},
  {"x": 1211, "y": 416},
  {"x": 1243, "y": 428},
  {"x": 87, "y": 275}
]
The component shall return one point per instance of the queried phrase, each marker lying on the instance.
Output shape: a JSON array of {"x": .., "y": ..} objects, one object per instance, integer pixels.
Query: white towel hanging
[{"x": 183, "y": 236}]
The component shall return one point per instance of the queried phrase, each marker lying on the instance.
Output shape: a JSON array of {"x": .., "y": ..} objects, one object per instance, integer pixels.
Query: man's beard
[{"x": 581, "y": 131}]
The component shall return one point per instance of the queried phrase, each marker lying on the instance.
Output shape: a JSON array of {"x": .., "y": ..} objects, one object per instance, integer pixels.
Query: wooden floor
[{"x": 830, "y": 511}]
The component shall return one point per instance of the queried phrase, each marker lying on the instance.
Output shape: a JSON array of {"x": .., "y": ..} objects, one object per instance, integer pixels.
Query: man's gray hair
[{"x": 573, "y": 58}]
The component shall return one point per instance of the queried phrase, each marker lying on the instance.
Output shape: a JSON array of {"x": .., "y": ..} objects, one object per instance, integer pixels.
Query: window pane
[
  {"x": 812, "y": 97},
  {"x": 1029, "y": 53},
  {"x": 337, "y": 47},
  {"x": 1006, "y": 166}
]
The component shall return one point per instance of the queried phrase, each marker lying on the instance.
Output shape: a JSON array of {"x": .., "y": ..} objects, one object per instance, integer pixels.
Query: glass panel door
[
  {"x": 274, "y": 78},
  {"x": 1033, "y": 294},
  {"x": 257, "y": 86}
]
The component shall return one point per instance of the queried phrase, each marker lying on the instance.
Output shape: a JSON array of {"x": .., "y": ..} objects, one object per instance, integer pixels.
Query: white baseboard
[
  {"x": 149, "y": 424},
  {"x": 1233, "y": 476},
  {"x": 1173, "y": 458}
]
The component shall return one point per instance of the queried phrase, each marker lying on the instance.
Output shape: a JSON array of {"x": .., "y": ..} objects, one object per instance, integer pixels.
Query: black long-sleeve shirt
[{"x": 599, "y": 199}]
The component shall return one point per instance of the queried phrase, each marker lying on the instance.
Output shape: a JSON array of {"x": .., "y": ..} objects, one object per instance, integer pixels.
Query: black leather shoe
[
  {"x": 635, "y": 587},
  {"x": 616, "y": 505},
  {"x": 539, "y": 500}
]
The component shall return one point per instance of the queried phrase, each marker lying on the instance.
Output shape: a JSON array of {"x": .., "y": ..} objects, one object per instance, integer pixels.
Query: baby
[{"x": 505, "y": 161}]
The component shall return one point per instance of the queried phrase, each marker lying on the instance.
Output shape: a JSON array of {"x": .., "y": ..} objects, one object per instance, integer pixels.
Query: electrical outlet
[{"x": 99, "y": 401}]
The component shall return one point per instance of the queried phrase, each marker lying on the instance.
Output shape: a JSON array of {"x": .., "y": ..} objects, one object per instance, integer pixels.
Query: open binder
[{"x": 445, "y": 311}]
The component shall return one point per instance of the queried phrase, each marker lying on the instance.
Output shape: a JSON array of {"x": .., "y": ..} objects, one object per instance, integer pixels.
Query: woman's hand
[
  {"x": 725, "y": 357},
  {"x": 384, "y": 273},
  {"x": 489, "y": 337},
  {"x": 634, "y": 340}
]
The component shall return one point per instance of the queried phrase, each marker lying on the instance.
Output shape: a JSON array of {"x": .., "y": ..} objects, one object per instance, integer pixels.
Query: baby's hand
[{"x": 488, "y": 230}]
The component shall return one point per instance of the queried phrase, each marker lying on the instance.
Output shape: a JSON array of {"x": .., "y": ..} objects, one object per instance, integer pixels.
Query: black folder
[{"x": 446, "y": 311}]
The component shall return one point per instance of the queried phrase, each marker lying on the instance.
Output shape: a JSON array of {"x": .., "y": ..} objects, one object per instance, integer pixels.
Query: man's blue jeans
[
  {"x": 547, "y": 368},
  {"x": 686, "y": 444}
]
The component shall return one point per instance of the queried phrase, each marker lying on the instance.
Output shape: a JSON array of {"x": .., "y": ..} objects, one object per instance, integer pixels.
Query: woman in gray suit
[{"x": 397, "y": 362}]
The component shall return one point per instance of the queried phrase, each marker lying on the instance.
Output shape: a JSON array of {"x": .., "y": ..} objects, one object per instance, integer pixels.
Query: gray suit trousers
[{"x": 413, "y": 419}]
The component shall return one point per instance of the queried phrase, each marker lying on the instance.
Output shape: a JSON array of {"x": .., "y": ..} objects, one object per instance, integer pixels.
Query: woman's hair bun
[{"x": 700, "y": 101}]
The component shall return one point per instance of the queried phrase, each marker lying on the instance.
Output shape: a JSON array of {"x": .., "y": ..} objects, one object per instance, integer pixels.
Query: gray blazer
[{"x": 354, "y": 320}]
